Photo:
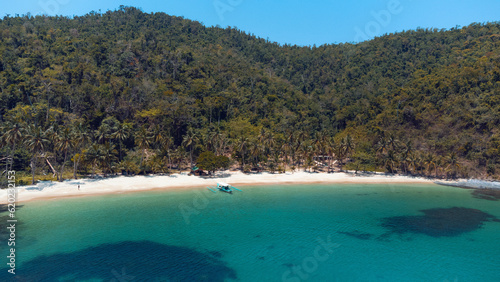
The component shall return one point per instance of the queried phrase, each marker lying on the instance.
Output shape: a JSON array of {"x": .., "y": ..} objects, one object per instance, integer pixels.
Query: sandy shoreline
[{"x": 122, "y": 184}]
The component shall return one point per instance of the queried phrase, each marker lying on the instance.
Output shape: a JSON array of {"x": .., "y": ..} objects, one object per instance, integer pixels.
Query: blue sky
[{"x": 292, "y": 21}]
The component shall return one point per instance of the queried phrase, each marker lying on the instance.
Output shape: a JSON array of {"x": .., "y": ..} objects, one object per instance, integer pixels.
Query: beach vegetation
[
  {"x": 210, "y": 162},
  {"x": 137, "y": 93}
]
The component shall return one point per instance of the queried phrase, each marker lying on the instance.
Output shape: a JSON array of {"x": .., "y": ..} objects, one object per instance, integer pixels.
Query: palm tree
[
  {"x": 64, "y": 142},
  {"x": 81, "y": 137},
  {"x": 189, "y": 140},
  {"x": 255, "y": 150},
  {"x": 412, "y": 162},
  {"x": 301, "y": 149},
  {"x": 287, "y": 147},
  {"x": 222, "y": 144},
  {"x": 290, "y": 141},
  {"x": 120, "y": 167},
  {"x": 36, "y": 141},
  {"x": 166, "y": 147},
  {"x": 308, "y": 163},
  {"x": 301, "y": 136},
  {"x": 105, "y": 131},
  {"x": 102, "y": 134},
  {"x": 121, "y": 134},
  {"x": 430, "y": 162},
  {"x": 93, "y": 155},
  {"x": 319, "y": 144},
  {"x": 203, "y": 140},
  {"x": 330, "y": 149},
  {"x": 269, "y": 143},
  {"x": 406, "y": 156},
  {"x": 390, "y": 161},
  {"x": 50, "y": 150},
  {"x": 179, "y": 156},
  {"x": 381, "y": 146},
  {"x": 339, "y": 150},
  {"x": 158, "y": 136},
  {"x": 213, "y": 140},
  {"x": 439, "y": 163},
  {"x": 143, "y": 140},
  {"x": 262, "y": 135},
  {"x": 348, "y": 145},
  {"x": 107, "y": 157},
  {"x": 392, "y": 142},
  {"x": 156, "y": 164},
  {"x": 241, "y": 147},
  {"x": 421, "y": 163},
  {"x": 278, "y": 150},
  {"x": 307, "y": 151},
  {"x": 127, "y": 166},
  {"x": 14, "y": 134},
  {"x": 453, "y": 163}
]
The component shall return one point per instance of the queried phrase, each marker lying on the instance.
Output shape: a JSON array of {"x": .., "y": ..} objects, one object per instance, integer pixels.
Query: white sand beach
[{"x": 122, "y": 184}]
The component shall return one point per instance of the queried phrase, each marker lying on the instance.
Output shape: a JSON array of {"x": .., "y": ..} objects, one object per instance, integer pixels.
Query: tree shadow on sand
[
  {"x": 438, "y": 222},
  {"x": 125, "y": 261}
]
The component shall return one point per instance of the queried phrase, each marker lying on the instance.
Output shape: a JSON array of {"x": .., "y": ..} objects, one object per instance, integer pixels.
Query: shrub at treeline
[{"x": 131, "y": 92}]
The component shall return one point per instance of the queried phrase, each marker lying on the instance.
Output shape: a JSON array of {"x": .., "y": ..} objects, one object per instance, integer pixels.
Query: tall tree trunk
[
  {"x": 61, "y": 178},
  {"x": 74, "y": 167},
  {"x": 142, "y": 159},
  {"x": 191, "y": 156},
  {"x": 120, "y": 144},
  {"x": 330, "y": 160},
  {"x": 170, "y": 164},
  {"x": 33, "y": 171},
  {"x": 11, "y": 159},
  {"x": 51, "y": 167},
  {"x": 142, "y": 156},
  {"x": 7, "y": 164},
  {"x": 243, "y": 161},
  {"x": 286, "y": 161}
]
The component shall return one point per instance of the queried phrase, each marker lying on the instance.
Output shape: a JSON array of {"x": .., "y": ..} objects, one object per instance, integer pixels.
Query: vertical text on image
[{"x": 11, "y": 222}]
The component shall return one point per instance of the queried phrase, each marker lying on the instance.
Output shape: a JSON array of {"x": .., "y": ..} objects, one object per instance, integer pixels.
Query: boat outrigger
[{"x": 223, "y": 187}]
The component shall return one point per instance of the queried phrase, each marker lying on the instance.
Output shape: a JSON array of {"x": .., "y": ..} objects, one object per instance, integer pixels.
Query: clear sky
[{"x": 291, "y": 21}]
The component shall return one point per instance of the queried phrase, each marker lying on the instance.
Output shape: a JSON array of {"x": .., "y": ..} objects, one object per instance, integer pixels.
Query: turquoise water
[{"x": 277, "y": 233}]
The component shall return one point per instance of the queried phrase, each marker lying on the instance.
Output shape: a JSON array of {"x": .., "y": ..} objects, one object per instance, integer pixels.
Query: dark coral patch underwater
[
  {"x": 126, "y": 261},
  {"x": 357, "y": 234},
  {"x": 486, "y": 194},
  {"x": 439, "y": 222}
]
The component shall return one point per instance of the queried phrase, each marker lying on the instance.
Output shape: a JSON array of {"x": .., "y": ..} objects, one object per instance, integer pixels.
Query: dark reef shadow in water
[
  {"x": 357, "y": 234},
  {"x": 486, "y": 194},
  {"x": 439, "y": 222},
  {"x": 140, "y": 261},
  {"x": 216, "y": 254}
]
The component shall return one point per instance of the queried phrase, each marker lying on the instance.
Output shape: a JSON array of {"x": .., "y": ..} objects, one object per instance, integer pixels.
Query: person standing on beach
[{"x": 78, "y": 186}]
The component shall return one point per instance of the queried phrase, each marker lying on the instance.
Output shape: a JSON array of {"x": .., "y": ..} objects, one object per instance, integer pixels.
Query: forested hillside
[{"x": 127, "y": 91}]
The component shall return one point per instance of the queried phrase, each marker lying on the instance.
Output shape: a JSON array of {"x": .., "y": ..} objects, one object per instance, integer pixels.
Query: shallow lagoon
[{"x": 278, "y": 233}]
